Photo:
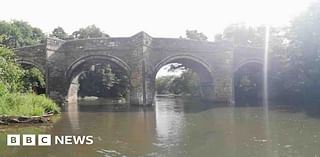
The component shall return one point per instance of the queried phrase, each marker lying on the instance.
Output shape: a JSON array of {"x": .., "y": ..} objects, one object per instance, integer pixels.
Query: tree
[
  {"x": 10, "y": 72},
  {"x": 33, "y": 80},
  {"x": 195, "y": 35},
  {"x": 304, "y": 52},
  {"x": 163, "y": 84},
  {"x": 102, "y": 81},
  {"x": 242, "y": 35},
  {"x": 187, "y": 84},
  {"x": 19, "y": 33},
  {"x": 89, "y": 32},
  {"x": 59, "y": 33},
  {"x": 279, "y": 71},
  {"x": 13, "y": 78}
]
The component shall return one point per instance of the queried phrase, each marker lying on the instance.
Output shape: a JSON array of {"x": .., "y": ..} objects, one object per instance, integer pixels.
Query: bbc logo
[{"x": 28, "y": 140}]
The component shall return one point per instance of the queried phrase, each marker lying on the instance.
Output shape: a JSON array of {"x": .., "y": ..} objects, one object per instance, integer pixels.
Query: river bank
[{"x": 26, "y": 108}]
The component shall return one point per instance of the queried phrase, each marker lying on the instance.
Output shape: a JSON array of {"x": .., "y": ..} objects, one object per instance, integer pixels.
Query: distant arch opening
[
  {"x": 182, "y": 75},
  {"x": 98, "y": 77},
  {"x": 248, "y": 81}
]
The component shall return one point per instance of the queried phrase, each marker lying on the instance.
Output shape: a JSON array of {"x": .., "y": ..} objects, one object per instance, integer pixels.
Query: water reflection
[
  {"x": 169, "y": 123},
  {"x": 72, "y": 106},
  {"x": 178, "y": 127}
]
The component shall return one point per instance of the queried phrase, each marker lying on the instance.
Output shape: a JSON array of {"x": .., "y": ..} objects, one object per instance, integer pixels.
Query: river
[{"x": 175, "y": 127}]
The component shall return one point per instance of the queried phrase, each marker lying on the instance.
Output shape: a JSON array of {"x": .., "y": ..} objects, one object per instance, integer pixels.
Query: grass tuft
[{"x": 26, "y": 104}]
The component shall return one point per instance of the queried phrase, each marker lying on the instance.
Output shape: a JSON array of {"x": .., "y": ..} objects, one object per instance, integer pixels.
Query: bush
[{"x": 18, "y": 104}]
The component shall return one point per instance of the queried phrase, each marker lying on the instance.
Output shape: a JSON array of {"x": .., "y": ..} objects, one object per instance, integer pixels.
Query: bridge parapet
[
  {"x": 31, "y": 51},
  {"x": 190, "y": 45},
  {"x": 96, "y": 44}
]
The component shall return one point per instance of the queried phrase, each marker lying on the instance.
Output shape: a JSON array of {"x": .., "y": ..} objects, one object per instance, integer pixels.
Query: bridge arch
[
  {"x": 201, "y": 67},
  {"x": 81, "y": 65},
  {"x": 247, "y": 82},
  {"x": 31, "y": 63},
  {"x": 198, "y": 65},
  {"x": 72, "y": 69},
  {"x": 248, "y": 61}
]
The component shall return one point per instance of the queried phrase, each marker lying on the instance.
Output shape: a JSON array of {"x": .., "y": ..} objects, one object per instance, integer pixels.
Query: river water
[{"x": 175, "y": 127}]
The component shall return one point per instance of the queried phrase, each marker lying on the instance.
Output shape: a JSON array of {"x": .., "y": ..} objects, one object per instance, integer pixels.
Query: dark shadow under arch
[{"x": 247, "y": 83}]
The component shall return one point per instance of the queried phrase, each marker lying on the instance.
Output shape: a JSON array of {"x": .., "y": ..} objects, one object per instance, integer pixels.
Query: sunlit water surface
[{"x": 178, "y": 127}]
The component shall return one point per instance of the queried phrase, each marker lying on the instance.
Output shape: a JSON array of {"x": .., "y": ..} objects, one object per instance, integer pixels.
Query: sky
[{"x": 161, "y": 18}]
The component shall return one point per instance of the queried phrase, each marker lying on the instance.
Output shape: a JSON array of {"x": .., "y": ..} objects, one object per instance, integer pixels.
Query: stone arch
[
  {"x": 28, "y": 62},
  {"x": 75, "y": 69},
  {"x": 186, "y": 57},
  {"x": 71, "y": 69},
  {"x": 198, "y": 65},
  {"x": 254, "y": 60},
  {"x": 249, "y": 97}
]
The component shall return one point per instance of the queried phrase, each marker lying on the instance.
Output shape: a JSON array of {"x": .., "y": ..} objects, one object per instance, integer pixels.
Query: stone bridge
[{"x": 140, "y": 56}]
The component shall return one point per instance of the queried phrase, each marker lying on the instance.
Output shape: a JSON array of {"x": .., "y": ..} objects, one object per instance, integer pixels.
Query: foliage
[
  {"x": 242, "y": 35},
  {"x": 177, "y": 67},
  {"x": 102, "y": 81},
  {"x": 248, "y": 84},
  {"x": 18, "y": 104},
  {"x": 279, "y": 71},
  {"x": 12, "y": 79},
  {"x": 89, "y": 32},
  {"x": 120, "y": 90},
  {"x": 33, "y": 80},
  {"x": 186, "y": 83},
  {"x": 10, "y": 72},
  {"x": 59, "y": 33},
  {"x": 163, "y": 84},
  {"x": 195, "y": 35},
  {"x": 19, "y": 33},
  {"x": 304, "y": 52}
]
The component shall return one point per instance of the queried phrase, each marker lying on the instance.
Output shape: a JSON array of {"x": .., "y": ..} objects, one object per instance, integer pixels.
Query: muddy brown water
[{"x": 174, "y": 127}]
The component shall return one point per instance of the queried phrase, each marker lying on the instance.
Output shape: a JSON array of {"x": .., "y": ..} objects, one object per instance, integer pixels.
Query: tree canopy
[
  {"x": 90, "y": 31},
  {"x": 304, "y": 51},
  {"x": 19, "y": 33},
  {"x": 195, "y": 35},
  {"x": 59, "y": 33},
  {"x": 103, "y": 80}
]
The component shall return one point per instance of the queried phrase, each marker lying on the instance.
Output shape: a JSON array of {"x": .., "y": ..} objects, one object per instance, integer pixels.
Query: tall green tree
[
  {"x": 19, "y": 33},
  {"x": 279, "y": 71},
  {"x": 304, "y": 52},
  {"x": 10, "y": 73}
]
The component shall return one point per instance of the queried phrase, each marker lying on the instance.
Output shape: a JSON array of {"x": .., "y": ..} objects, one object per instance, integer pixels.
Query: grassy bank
[{"x": 22, "y": 104}]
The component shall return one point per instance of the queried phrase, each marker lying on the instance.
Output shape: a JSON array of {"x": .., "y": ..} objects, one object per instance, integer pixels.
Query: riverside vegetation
[{"x": 16, "y": 95}]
